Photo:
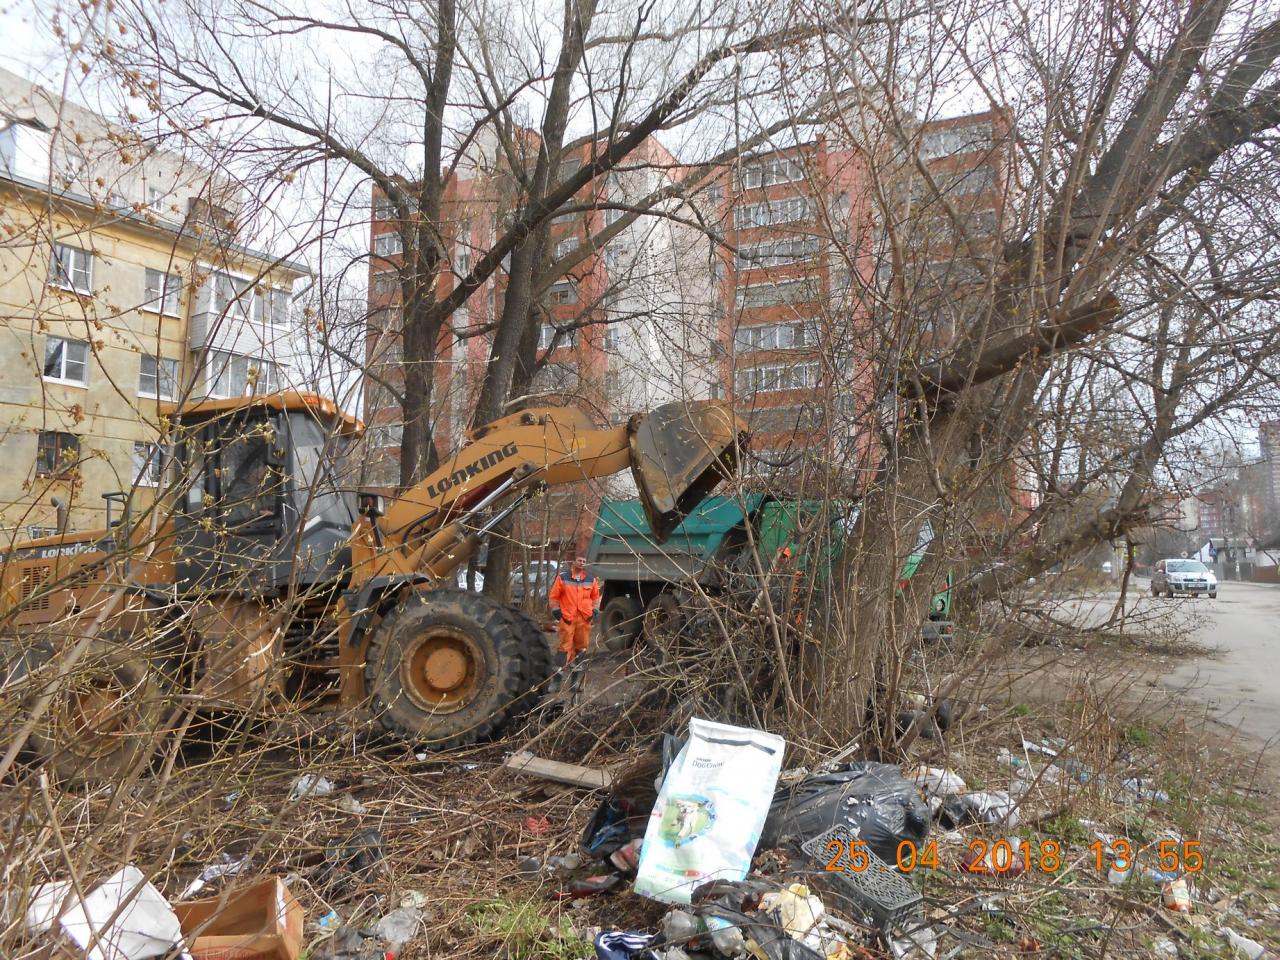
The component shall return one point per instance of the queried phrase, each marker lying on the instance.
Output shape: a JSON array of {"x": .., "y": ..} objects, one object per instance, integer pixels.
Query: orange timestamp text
[{"x": 1046, "y": 855}]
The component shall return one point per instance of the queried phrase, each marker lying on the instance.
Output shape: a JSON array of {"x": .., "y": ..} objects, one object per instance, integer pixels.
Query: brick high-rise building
[
  {"x": 772, "y": 318},
  {"x": 628, "y": 326},
  {"x": 801, "y": 333}
]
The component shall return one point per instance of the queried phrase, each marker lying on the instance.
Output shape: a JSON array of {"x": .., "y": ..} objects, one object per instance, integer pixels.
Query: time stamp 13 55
[{"x": 1047, "y": 856}]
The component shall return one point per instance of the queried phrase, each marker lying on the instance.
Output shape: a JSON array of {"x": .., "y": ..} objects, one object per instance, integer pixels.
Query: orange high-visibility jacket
[{"x": 575, "y": 598}]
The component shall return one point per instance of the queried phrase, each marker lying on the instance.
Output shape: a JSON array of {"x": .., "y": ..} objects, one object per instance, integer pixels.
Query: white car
[{"x": 1172, "y": 577}]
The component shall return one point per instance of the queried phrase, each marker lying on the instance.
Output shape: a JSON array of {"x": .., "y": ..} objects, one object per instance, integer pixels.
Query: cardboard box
[{"x": 262, "y": 921}]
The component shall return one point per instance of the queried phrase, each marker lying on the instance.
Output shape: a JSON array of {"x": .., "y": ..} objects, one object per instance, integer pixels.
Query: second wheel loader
[{"x": 262, "y": 583}]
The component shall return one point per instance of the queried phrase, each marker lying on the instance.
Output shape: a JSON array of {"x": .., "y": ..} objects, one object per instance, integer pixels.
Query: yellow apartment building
[{"x": 121, "y": 289}]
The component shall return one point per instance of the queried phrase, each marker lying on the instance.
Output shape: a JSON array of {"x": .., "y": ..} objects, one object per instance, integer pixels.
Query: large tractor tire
[
  {"x": 541, "y": 666},
  {"x": 620, "y": 622},
  {"x": 107, "y": 715},
  {"x": 447, "y": 668}
]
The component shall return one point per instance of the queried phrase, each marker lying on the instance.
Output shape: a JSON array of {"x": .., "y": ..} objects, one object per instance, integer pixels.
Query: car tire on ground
[{"x": 1213, "y": 594}]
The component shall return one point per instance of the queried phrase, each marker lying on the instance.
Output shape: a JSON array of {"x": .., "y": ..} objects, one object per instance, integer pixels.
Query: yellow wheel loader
[{"x": 261, "y": 583}]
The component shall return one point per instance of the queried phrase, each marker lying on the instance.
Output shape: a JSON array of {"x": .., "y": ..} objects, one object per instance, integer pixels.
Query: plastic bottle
[
  {"x": 726, "y": 937},
  {"x": 1177, "y": 896},
  {"x": 679, "y": 926}
]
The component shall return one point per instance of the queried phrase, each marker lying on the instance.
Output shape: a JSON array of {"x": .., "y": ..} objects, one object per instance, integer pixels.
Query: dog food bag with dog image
[{"x": 710, "y": 810}]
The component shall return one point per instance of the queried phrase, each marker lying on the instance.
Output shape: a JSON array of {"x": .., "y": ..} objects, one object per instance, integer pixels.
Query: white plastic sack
[
  {"x": 146, "y": 926},
  {"x": 710, "y": 810}
]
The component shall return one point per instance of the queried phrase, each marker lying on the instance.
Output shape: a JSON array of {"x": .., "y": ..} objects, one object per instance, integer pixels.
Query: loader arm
[{"x": 676, "y": 453}]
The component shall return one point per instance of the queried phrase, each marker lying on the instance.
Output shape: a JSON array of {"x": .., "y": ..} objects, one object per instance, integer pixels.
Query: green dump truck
[{"x": 644, "y": 582}]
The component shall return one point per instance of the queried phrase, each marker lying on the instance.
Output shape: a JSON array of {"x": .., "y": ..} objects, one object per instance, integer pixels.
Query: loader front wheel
[
  {"x": 106, "y": 715},
  {"x": 446, "y": 668}
]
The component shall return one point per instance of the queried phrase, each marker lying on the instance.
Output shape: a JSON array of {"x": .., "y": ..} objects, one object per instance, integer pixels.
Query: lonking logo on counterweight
[{"x": 473, "y": 469}]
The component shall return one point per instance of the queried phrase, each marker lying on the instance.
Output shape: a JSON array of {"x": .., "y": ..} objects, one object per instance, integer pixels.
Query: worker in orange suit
[{"x": 575, "y": 603}]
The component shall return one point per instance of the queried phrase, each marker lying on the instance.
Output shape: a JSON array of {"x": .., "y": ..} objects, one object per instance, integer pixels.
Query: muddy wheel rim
[{"x": 442, "y": 670}]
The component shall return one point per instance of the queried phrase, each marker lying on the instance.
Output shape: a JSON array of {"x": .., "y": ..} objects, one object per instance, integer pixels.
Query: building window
[
  {"x": 564, "y": 217},
  {"x": 775, "y": 336},
  {"x": 614, "y": 255},
  {"x": 764, "y": 173},
  {"x": 155, "y": 199},
  {"x": 233, "y": 375},
  {"x": 773, "y": 253},
  {"x": 775, "y": 294},
  {"x": 66, "y": 361},
  {"x": 613, "y": 214},
  {"x": 232, "y": 296},
  {"x": 614, "y": 336},
  {"x": 958, "y": 183},
  {"x": 384, "y": 209},
  {"x": 385, "y": 435},
  {"x": 953, "y": 140},
  {"x": 162, "y": 293},
  {"x": 462, "y": 261},
  {"x": 773, "y": 377},
  {"x": 568, "y": 168},
  {"x": 386, "y": 283},
  {"x": 547, "y": 332},
  {"x": 147, "y": 464},
  {"x": 563, "y": 293},
  {"x": 56, "y": 453},
  {"x": 277, "y": 307},
  {"x": 158, "y": 378},
  {"x": 71, "y": 268},
  {"x": 567, "y": 246},
  {"x": 769, "y": 212},
  {"x": 388, "y": 244},
  {"x": 717, "y": 390}
]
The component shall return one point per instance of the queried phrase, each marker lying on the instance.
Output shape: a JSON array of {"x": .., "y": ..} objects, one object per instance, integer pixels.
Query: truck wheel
[
  {"x": 447, "y": 668},
  {"x": 105, "y": 716},
  {"x": 620, "y": 622},
  {"x": 663, "y": 619}
]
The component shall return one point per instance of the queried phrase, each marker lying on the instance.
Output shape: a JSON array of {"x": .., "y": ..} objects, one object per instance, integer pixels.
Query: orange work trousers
[{"x": 574, "y": 638}]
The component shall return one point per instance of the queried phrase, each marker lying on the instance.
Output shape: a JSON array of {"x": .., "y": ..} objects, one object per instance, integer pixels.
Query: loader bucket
[{"x": 679, "y": 452}]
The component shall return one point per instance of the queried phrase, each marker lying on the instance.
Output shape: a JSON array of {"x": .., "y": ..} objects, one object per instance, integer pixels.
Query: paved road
[{"x": 1242, "y": 680}]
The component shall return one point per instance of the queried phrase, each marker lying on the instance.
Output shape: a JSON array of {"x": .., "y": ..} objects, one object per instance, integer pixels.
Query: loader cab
[{"x": 260, "y": 507}]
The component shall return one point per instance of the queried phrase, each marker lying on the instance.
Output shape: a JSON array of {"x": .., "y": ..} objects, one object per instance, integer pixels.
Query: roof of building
[{"x": 135, "y": 219}]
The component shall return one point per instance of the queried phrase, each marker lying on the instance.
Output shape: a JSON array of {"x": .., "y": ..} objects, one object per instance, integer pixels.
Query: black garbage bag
[{"x": 873, "y": 799}]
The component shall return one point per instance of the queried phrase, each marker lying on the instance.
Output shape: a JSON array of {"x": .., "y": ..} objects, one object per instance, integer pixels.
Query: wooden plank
[{"x": 593, "y": 778}]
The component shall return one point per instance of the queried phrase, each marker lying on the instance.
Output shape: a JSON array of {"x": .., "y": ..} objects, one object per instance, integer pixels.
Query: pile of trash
[
  {"x": 126, "y": 918},
  {"x": 819, "y": 865}
]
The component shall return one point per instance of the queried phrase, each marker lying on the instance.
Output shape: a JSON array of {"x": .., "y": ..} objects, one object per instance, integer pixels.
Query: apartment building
[
  {"x": 122, "y": 290},
  {"x": 629, "y": 319},
  {"x": 771, "y": 313},
  {"x": 806, "y": 250}
]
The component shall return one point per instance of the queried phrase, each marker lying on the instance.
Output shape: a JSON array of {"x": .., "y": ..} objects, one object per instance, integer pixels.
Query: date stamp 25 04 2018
[{"x": 1045, "y": 855}]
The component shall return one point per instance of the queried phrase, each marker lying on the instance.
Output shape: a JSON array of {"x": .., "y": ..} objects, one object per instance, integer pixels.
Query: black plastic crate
[{"x": 880, "y": 894}]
